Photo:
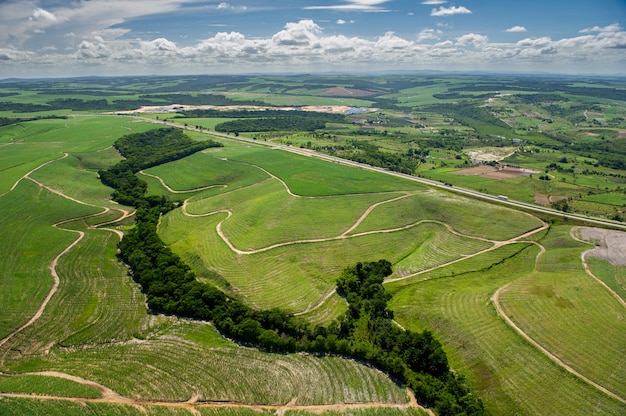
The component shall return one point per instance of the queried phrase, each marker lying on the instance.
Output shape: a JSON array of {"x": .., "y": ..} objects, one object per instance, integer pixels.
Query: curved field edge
[
  {"x": 509, "y": 373},
  {"x": 170, "y": 368},
  {"x": 557, "y": 306},
  {"x": 46, "y": 385},
  {"x": 29, "y": 246},
  {"x": 19, "y": 405}
]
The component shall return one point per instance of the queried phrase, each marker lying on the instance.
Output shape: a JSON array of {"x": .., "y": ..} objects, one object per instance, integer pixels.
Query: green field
[{"x": 518, "y": 317}]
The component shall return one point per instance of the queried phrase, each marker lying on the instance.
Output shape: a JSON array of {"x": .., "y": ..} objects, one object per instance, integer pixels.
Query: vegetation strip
[{"x": 365, "y": 332}]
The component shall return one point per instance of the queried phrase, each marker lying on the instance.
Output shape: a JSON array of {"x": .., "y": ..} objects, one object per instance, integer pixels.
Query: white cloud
[
  {"x": 354, "y": 5},
  {"x": 228, "y": 6},
  {"x": 434, "y": 2},
  {"x": 516, "y": 29},
  {"x": 41, "y": 14},
  {"x": 472, "y": 39},
  {"x": 448, "y": 11},
  {"x": 429, "y": 34},
  {"x": 615, "y": 27},
  {"x": 341, "y": 22},
  {"x": 534, "y": 43},
  {"x": 303, "y": 46}
]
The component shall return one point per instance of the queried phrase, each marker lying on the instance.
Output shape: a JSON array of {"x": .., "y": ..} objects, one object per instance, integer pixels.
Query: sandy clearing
[
  {"x": 489, "y": 154},
  {"x": 610, "y": 245}
]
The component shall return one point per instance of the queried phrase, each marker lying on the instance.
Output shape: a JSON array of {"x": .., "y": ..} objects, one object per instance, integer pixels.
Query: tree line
[
  {"x": 279, "y": 121},
  {"x": 366, "y": 331}
]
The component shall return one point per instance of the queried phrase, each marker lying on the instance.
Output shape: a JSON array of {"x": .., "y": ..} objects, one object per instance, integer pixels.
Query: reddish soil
[
  {"x": 493, "y": 173},
  {"x": 543, "y": 199}
]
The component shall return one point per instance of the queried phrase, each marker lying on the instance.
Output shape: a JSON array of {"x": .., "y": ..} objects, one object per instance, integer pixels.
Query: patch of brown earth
[
  {"x": 506, "y": 172},
  {"x": 542, "y": 199}
]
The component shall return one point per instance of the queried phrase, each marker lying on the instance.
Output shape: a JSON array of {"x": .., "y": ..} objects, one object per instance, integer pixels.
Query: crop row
[
  {"x": 172, "y": 369},
  {"x": 509, "y": 373}
]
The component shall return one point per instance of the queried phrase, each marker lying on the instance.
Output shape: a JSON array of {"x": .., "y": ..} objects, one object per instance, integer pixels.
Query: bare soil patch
[
  {"x": 488, "y": 154},
  {"x": 505, "y": 172},
  {"x": 610, "y": 245},
  {"x": 543, "y": 199}
]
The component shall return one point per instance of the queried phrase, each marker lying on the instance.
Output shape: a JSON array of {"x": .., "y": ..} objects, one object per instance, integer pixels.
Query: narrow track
[{"x": 495, "y": 299}]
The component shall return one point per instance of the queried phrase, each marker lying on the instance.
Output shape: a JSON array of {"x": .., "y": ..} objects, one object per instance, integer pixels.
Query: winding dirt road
[
  {"x": 53, "y": 264},
  {"x": 495, "y": 299}
]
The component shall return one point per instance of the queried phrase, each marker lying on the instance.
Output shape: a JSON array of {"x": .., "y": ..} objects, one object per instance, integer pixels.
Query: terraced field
[{"x": 507, "y": 294}]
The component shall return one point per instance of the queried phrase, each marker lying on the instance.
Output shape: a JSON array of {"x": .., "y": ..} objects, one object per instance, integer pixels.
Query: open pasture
[
  {"x": 265, "y": 214},
  {"x": 203, "y": 169},
  {"x": 307, "y": 176},
  {"x": 510, "y": 374}
]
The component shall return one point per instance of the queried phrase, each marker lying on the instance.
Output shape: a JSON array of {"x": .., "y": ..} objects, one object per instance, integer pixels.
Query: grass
[
  {"x": 96, "y": 300},
  {"x": 45, "y": 385},
  {"x": 572, "y": 325},
  {"x": 165, "y": 368},
  {"x": 333, "y": 308},
  {"x": 307, "y": 176},
  {"x": 28, "y": 247},
  {"x": 14, "y": 406},
  {"x": 469, "y": 217},
  {"x": 613, "y": 275},
  {"x": 360, "y": 412},
  {"x": 96, "y": 325},
  {"x": 292, "y": 276},
  {"x": 509, "y": 374},
  {"x": 203, "y": 169},
  {"x": 265, "y": 214}
]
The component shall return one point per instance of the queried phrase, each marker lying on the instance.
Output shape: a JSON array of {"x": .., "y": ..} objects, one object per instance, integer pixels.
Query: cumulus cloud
[
  {"x": 303, "y": 45},
  {"x": 429, "y": 34},
  {"x": 472, "y": 39},
  {"x": 434, "y": 2},
  {"x": 516, "y": 29},
  {"x": 448, "y": 11}
]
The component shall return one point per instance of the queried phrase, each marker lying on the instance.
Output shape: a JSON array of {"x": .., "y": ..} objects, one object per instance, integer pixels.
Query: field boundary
[
  {"x": 583, "y": 258},
  {"x": 495, "y": 299},
  {"x": 53, "y": 264}
]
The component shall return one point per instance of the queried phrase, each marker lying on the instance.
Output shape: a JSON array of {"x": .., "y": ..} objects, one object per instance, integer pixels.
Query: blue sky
[{"x": 120, "y": 37}]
